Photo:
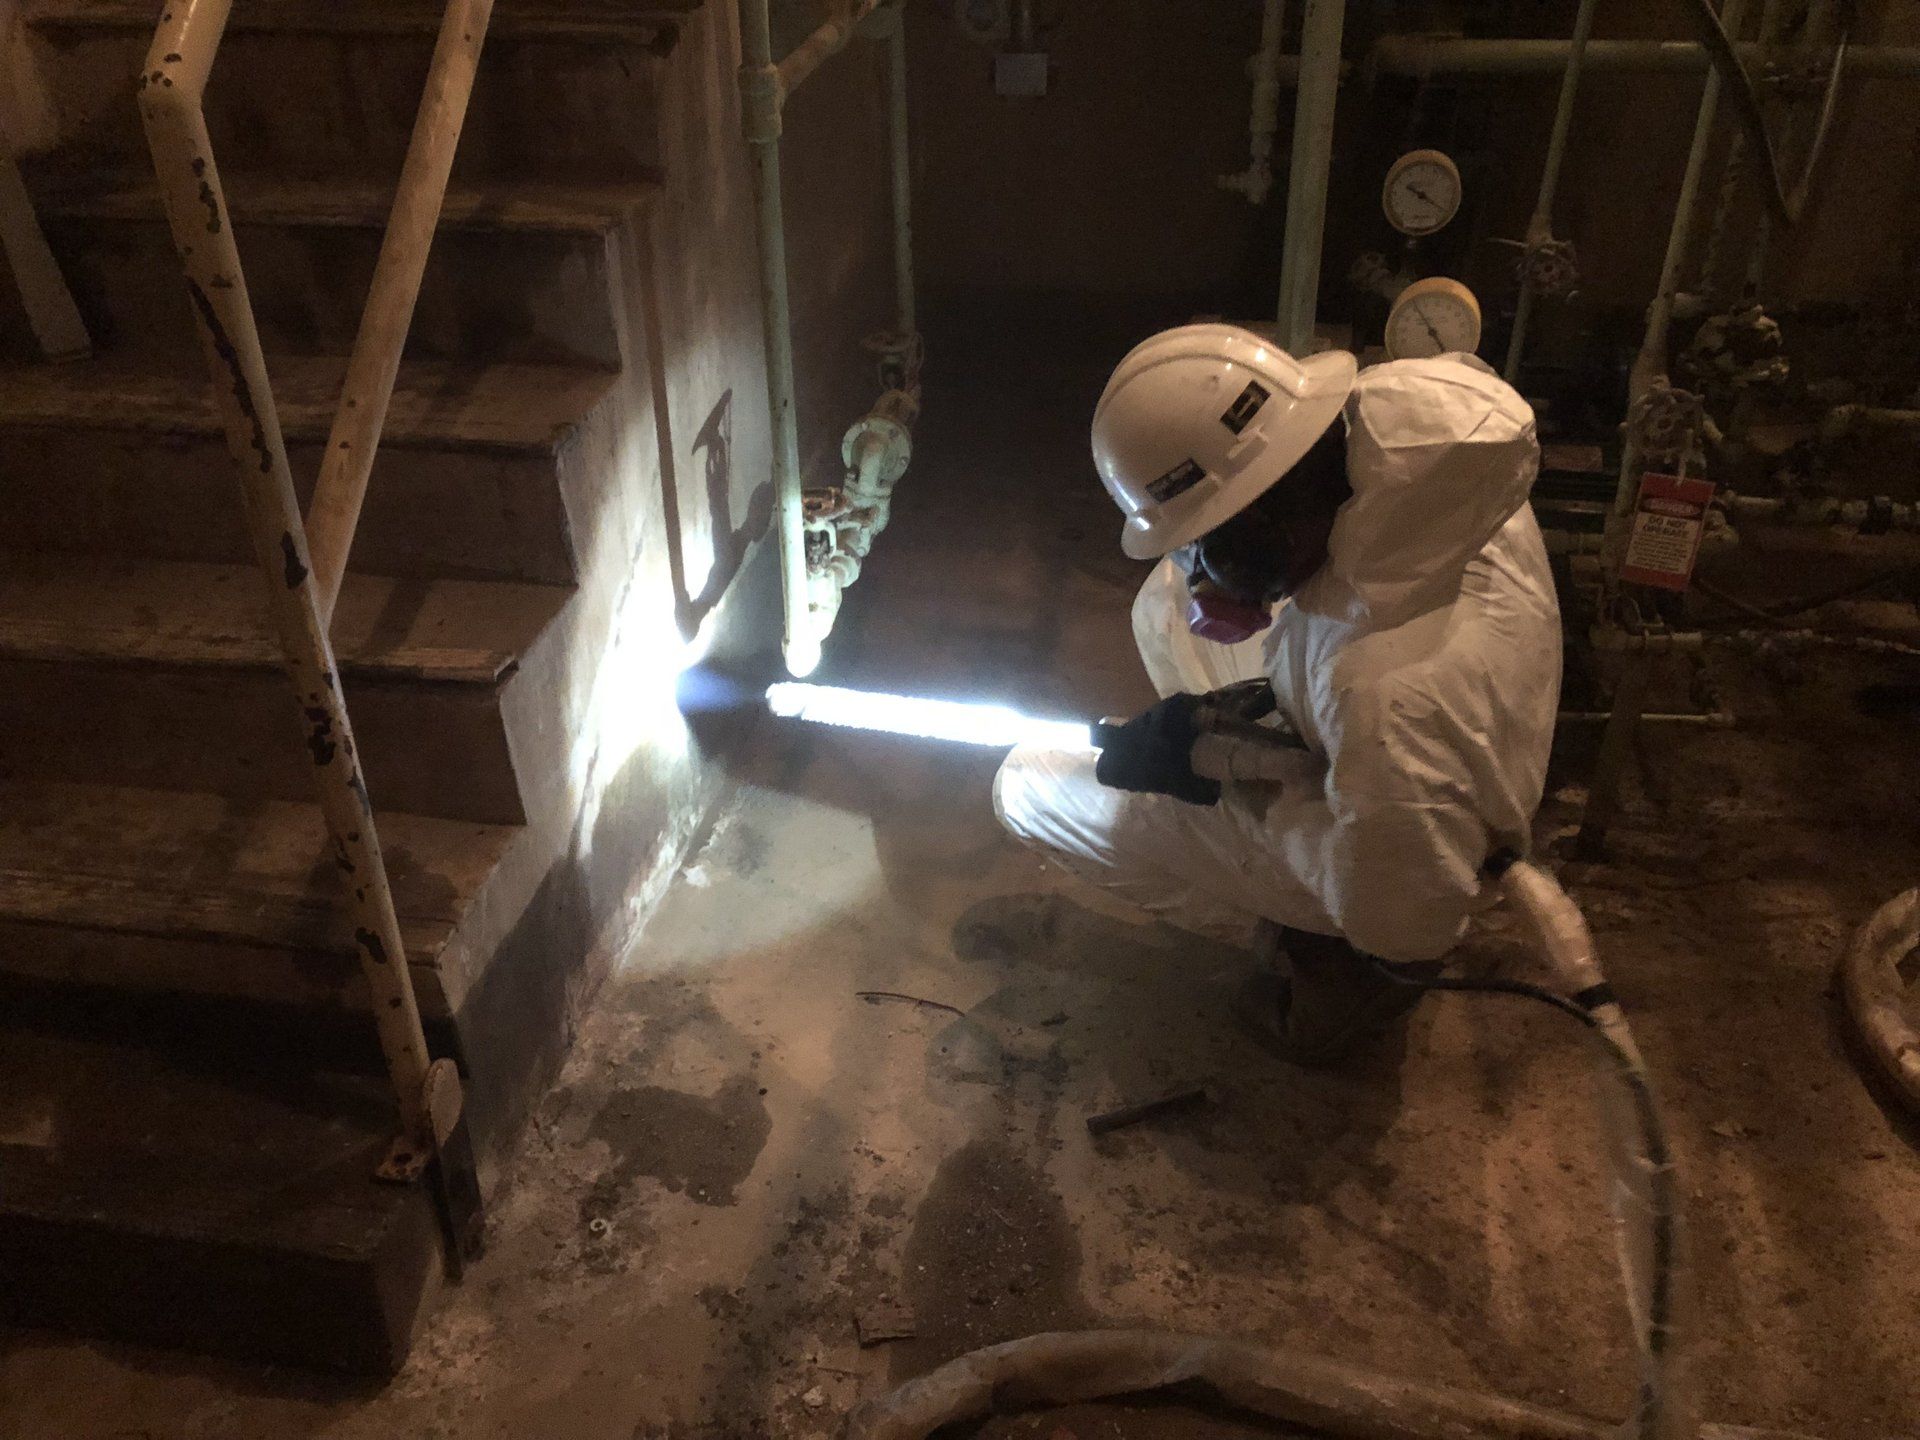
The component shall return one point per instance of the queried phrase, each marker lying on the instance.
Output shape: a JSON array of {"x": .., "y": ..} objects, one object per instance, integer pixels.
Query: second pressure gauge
[
  {"x": 1422, "y": 192},
  {"x": 1432, "y": 317}
]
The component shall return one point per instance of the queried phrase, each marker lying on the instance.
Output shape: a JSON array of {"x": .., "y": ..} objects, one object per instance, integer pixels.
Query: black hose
[{"x": 1654, "y": 1147}]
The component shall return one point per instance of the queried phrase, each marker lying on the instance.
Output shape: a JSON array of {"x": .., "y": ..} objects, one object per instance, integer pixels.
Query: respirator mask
[
  {"x": 1235, "y": 573},
  {"x": 1238, "y": 570}
]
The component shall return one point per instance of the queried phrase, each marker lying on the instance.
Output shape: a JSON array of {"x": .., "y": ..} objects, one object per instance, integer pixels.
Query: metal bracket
[{"x": 445, "y": 1159}]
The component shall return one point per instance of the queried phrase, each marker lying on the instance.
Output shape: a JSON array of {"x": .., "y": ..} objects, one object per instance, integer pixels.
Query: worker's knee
[
  {"x": 1013, "y": 793},
  {"x": 1038, "y": 794}
]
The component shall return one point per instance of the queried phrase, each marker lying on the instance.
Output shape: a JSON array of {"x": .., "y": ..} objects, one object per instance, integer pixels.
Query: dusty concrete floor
[{"x": 745, "y": 1156}]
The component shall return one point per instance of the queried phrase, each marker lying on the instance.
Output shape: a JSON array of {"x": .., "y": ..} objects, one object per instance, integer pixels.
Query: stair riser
[
  {"x": 429, "y": 513},
  {"x": 65, "y": 1271},
  {"x": 431, "y": 749},
  {"x": 123, "y": 987},
  {"x": 488, "y": 295},
  {"x": 316, "y": 105}
]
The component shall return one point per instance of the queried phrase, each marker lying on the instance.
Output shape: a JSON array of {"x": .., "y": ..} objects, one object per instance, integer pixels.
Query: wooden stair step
[
  {"x": 332, "y": 87},
  {"x": 163, "y": 673},
  {"x": 585, "y": 20},
  {"x": 523, "y": 409},
  {"x": 146, "y": 890},
  {"x": 100, "y": 609},
  {"x": 112, "y": 458},
  {"x": 190, "y": 1198},
  {"x": 519, "y": 270},
  {"x": 577, "y": 208}
]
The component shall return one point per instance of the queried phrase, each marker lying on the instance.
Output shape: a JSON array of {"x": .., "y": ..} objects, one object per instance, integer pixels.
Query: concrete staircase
[{"x": 190, "y": 1098}]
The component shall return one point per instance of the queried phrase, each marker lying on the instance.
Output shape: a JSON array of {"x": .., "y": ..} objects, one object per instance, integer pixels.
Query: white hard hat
[{"x": 1197, "y": 422}]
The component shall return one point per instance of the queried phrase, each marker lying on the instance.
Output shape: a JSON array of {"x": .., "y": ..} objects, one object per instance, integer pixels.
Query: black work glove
[{"x": 1153, "y": 753}]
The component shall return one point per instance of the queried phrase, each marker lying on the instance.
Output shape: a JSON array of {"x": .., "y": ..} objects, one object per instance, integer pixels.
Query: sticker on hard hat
[
  {"x": 1177, "y": 481},
  {"x": 1240, "y": 414}
]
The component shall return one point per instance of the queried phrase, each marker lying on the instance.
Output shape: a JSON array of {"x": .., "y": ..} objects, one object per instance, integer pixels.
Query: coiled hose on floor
[{"x": 1340, "y": 1400}]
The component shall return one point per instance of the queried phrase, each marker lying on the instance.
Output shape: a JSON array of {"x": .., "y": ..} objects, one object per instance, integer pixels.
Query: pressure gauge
[
  {"x": 1422, "y": 192},
  {"x": 1431, "y": 317}
]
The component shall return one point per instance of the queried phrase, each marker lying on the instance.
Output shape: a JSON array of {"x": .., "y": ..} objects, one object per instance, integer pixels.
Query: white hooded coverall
[{"x": 1421, "y": 664}]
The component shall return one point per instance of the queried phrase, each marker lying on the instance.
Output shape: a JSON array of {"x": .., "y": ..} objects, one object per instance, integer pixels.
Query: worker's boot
[{"x": 1330, "y": 998}]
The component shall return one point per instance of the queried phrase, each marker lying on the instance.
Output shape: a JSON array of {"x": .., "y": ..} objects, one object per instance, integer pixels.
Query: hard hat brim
[{"x": 1333, "y": 373}]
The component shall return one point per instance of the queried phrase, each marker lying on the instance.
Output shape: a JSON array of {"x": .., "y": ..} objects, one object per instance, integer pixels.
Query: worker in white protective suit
[{"x": 1387, "y": 577}]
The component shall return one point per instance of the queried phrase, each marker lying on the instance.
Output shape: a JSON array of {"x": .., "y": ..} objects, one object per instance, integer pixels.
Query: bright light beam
[{"x": 963, "y": 721}]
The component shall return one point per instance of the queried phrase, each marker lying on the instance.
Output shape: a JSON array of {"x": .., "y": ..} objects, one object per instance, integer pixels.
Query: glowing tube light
[{"x": 962, "y": 721}]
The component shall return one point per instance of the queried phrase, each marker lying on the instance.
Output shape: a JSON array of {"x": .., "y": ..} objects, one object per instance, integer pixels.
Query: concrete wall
[
  {"x": 624, "y": 711},
  {"x": 1105, "y": 187},
  {"x": 637, "y": 698}
]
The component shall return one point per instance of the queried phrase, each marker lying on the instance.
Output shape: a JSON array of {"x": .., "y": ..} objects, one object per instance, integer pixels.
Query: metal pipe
[
  {"x": 1320, "y": 33},
  {"x": 1881, "y": 511},
  {"x": 1616, "y": 743},
  {"x": 347, "y": 463},
  {"x": 1612, "y": 640},
  {"x": 828, "y": 40},
  {"x": 900, "y": 169},
  {"x": 1435, "y": 56},
  {"x": 172, "y": 88},
  {"x": 1540, "y": 227},
  {"x": 1651, "y": 363},
  {"x": 55, "y": 319},
  {"x": 1772, "y": 14},
  {"x": 1844, "y": 419},
  {"x": 1263, "y": 119},
  {"x": 760, "y": 92},
  {"x": 764, "y": 87},
  {"x": 1710, "y": 719}
]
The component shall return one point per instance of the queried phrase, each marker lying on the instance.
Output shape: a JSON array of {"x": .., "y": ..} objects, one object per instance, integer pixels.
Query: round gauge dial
[
  {"x": 1431, "y": 317},
  {"x": 1422, "y": 192}
]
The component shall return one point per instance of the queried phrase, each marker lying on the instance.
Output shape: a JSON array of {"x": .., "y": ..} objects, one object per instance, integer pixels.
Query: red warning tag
[{"x": 1667, "y": 521}]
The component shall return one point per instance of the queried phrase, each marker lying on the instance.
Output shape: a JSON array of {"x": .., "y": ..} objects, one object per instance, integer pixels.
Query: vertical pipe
[
  {"x": 1772, "y": 16},
  {"x": 1603, "y": 792},
  {"x": 901, "y": 173},
  {"x": 1263, "y": 116},
  {"x": 1540, "y": 227},
  {"x": 760, "y": 91},
  {"x": 346, "y": 465},
  {"x": 1651, "y": 363},
  {"x": 171, "y": 91},
  {"x": 1321, "y": 27},
  {"x": 1616, "y": 745}
]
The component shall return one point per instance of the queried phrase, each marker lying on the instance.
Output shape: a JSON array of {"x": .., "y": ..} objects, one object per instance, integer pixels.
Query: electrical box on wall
[{"x": 1020, "y": 72}]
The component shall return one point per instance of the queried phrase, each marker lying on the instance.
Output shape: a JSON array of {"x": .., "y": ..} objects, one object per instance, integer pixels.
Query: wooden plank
[
  {"x": 186, "y": 842},
  {"x": 517, "y": 409},
  {"x": 93, "y": 609},
  {"x": 148, "y": 889},
  {"x": 524, "y": 207},
  {"x": 127, "y": 906},
  {"x": 584, "y": 20}
]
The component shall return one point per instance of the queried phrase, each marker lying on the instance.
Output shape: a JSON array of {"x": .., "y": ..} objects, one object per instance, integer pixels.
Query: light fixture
[{"x": 966, "y": 722}]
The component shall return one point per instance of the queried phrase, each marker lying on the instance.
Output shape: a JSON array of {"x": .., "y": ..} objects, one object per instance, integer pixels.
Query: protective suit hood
[{"x": 1440, "y": 454}]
